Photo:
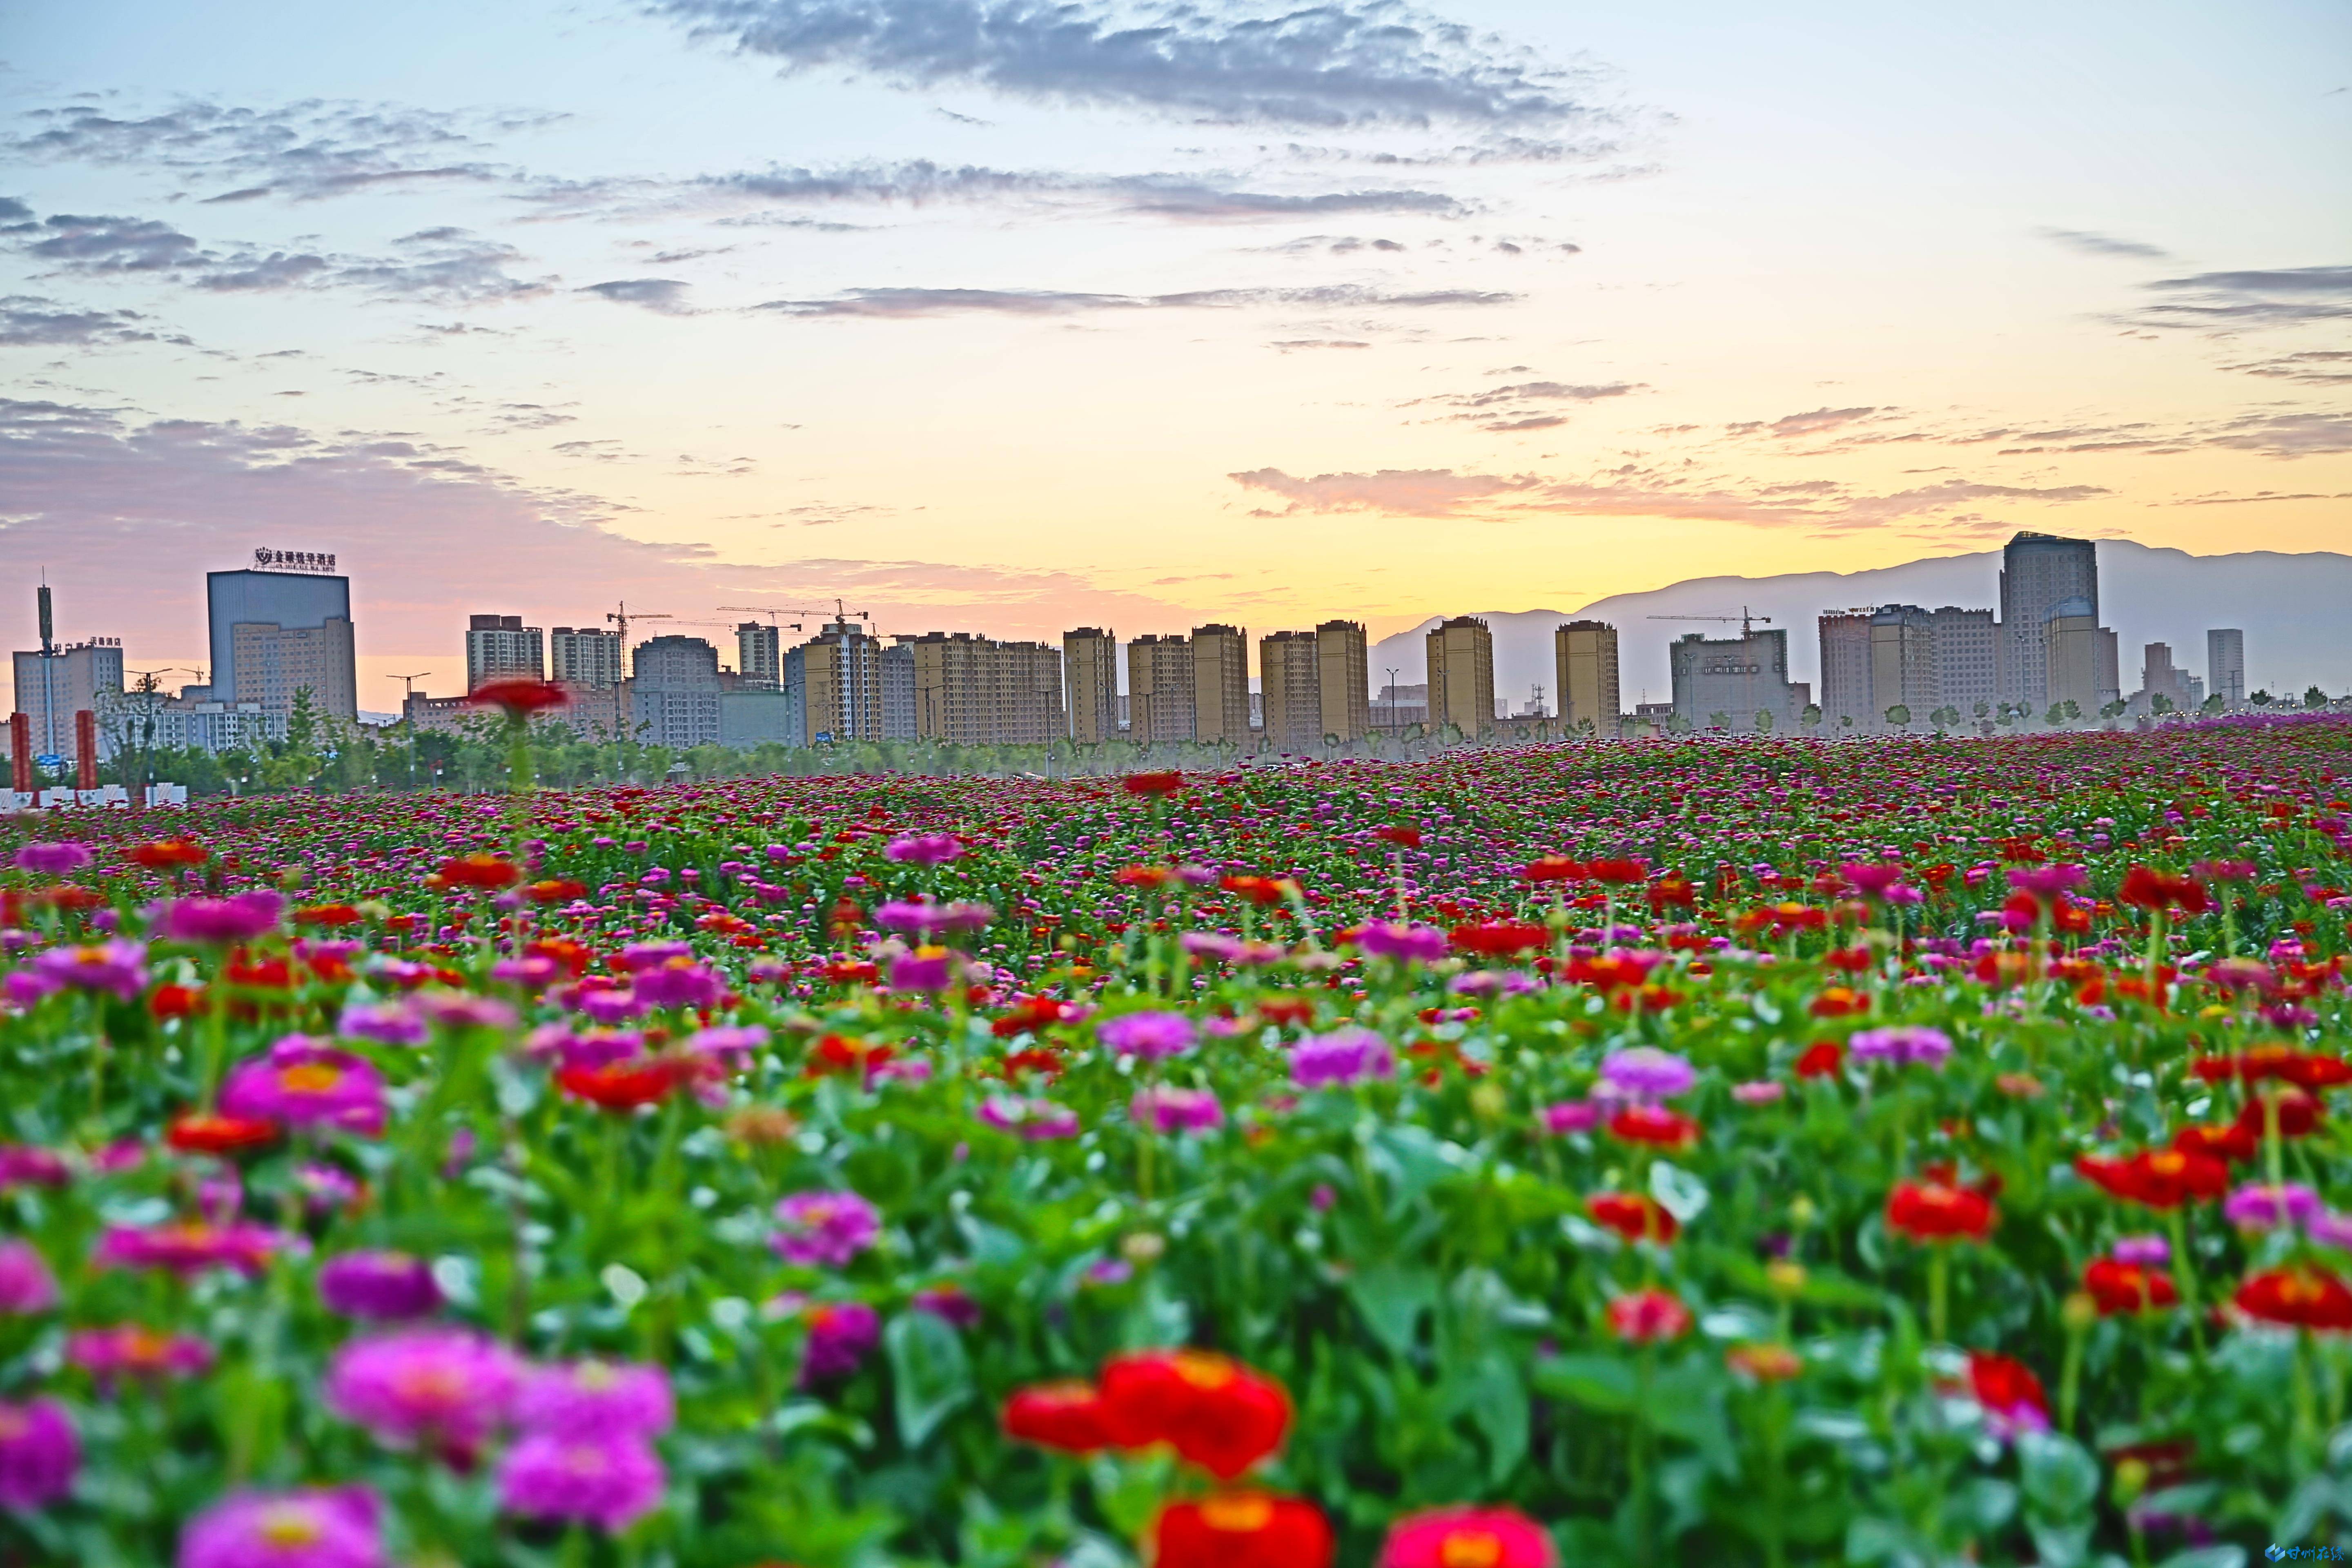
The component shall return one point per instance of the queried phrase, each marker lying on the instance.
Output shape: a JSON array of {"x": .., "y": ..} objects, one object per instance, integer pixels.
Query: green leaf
[
  {"x": 2207, "y": 1557},
  {"x": 1597, "y": 1382},
  {"x": 2062, "y": 1479},
  {"x": 1498, "y": 1406},
  {"x": 930, "y": 1376},
  {"x": 1393, "y": 1300}
]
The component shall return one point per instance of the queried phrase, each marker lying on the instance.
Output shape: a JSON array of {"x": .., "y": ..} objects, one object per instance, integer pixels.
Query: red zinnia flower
[
  {"x": 1241, "y": 1530},
  {"x": 2158, "y": 1178},
  {"x": 1821, "y": 1060},
  {"x": 1648, "y": 1316},
  {"x": 519, "y": 698},
  {"x": 2301, "y": 1297},
  {"x": 1259, "y": 890},
  {"x": 1553, "y": 868},
  {"x": 197, "y": 1133},
  {"x": 2235, "y": 1143},
  {"x": 2012, "y": 1397},
  {"x": 1498, "y": 939},
  {"x": 1617, "y": 873},
  {"x": 1402, "y": 837},
  {"x": 1152, "y": 783},
  {"x": 1632, "y": 1216},
  {"x": 2119, "y": 1287},
  {"x": 1066, "y": 1415},
  {"x": 1933, "y": 1212},
  {"x": 479, "y": 870},
  {"x": 326, "y": 915},
  {"x": 165, "y": 854},
  {"x": 1654, "y": 1125},
  {"x": 2147, "y": 889},
  {"x": 621, "y": 1086},
  {"x": 1213, "y": 1411}
]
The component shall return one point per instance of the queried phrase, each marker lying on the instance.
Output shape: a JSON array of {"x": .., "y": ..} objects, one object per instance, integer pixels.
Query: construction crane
[
  {"x": 771, "y": 613},
  {"x": 839, "y": 613},
  {"x": 622, "y": 617},
  {"x": 1744, "y": 617}
]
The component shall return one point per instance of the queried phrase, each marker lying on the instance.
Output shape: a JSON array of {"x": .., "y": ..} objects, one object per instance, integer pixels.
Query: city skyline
[{"x": 1553, "y": 308}]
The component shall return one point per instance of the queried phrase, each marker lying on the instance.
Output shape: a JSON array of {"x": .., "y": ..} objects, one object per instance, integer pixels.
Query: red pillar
[
  {"x": 85, "y": 748},
  {"x": 20, "y": 752}
]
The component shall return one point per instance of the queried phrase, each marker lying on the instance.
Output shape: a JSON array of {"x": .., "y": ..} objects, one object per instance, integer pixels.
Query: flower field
[{"x": 1769, "y": 1151}]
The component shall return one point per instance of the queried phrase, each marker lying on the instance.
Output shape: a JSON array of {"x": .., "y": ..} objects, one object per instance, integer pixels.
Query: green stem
[{"x": 1939, "y": 1267}]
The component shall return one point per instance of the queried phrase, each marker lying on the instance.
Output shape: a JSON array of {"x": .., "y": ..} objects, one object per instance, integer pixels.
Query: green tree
[
  {"x": 1763, "y": 721},
  {"x": 1899, "y": 716},
  {"x": 1811, "y": 717},
  {"x": 2313, "y": 698}
]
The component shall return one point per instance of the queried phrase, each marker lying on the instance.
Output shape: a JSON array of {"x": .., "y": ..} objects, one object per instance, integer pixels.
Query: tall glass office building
[{"x": 275, "y": 632}]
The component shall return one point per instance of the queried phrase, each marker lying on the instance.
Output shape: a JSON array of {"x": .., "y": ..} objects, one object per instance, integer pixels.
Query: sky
[{"x": 1006, "y": 316}]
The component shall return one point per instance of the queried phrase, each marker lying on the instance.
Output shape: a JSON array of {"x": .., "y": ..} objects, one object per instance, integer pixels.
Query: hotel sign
[{"x": 293, "y": 561}]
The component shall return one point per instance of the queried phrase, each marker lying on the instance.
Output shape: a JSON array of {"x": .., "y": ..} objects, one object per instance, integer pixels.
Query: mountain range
[{"x": 2296, "y": 610}]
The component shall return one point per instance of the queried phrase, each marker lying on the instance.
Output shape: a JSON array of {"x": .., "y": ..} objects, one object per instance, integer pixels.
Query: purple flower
[
  {"x": 27, "y": 1286},
  {"x": 840, "y": 1333},
  {"x": 1035, "y": 1120},
  {"x": 929, "y": 970},
  {"x": 222, "y": 922},
  {"x": 680, "y": 983},
  {"x": 924, "y": 850},
  {"x": 449, "y": 1385},
  {"x": 1571, "y": 1116},
  {"x": 595, "y": 1048},
  {"x": 53, "y": 859},
  {"x": 28, "y": 988},
  {"x": 1212, "y": 944},
  {"x": 459, "y": 1010},
  {"x": 1871, "y": 881},
  {"x": 2145, "y": 1251},
  {"x": 2255, "y": 1206},
  {"x": 25, "y": 1164},
  {"x": 339, "y": 1527},
  {"x": 640, "y": 956},
  {"x": 116, "y": 967},
  {"x": 1902, "y": 1044},
  {"x": 188, "y": 1249},
  {"x": 920, "y": 915},
  {"x": 305, "y": 1084},
  {"x": 1645, "y": 1072},
  {"x": 825, "y": 1230},
  {"x": 1342, "y": 1057},
  {"x": 1404, "y": 943},
  {"x": 1109, "y": 1271},
  {"x": 529, "y": 973},
  {"x": 947, "y": 1302},
  {"x": 1167, "y": 1109},
  {"x": 128, "y": 1349},
  {"x": 732, "y": 1046},
  {"x": 1761, "y": 1092},
  {"x": 386, "y": 1023},
  {"x": 585, "y": 1398},
  {"x": 2046, "y": 882},
  {"x": 609, "y": 1007},
  {"x": 2330, "y": 1229},
  {"x": 384, "y": 1285},
  {"x": 38, "y": 1454},
  {"x": 1151, "y": 1035},
  {"x": 609, "y": 1480}
]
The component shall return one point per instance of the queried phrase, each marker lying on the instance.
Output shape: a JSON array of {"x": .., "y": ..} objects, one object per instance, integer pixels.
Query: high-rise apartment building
[
  {"x": 1090, "y": 674},
  {"x": 1160, "y": 690},
  {"x": 955, "y": 687},
  {"x": 1845, "y": 668},
  {"x": 1584, "y": 662},
  {"x": 1290, "y": 684},
  {"x": 1903, "y": 665},
  {"x": 842, "y": 684},
  {"x": 897, "y": 688},
  {"x": 1732, "y": 682},
  {"x": 1344, "y": 678},
  {"x": 588, "y": 658},
  {"x": 2075, "y": 646},
  {"x": 276, "y": 632},
  {"x": 759, "y": 656},
  {"x": 1030, "y": 710},
  {"x": 55, "y": 685},
  {"x": 1221, "y": 693},
  {"x": 2160, "y": 677},
  {"x": 1462, "y": 676},
  {"x": 2225, "y": 665},
  {"x": 500, "y": 647},
  {"x": 2037, "y": 573},
  {"x": 1968, "y": 658},
  {"x": 674, "y": 697}
]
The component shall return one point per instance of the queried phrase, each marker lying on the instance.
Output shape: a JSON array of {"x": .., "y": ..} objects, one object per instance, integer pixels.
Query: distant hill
[{"x": 2296, "y": 610}]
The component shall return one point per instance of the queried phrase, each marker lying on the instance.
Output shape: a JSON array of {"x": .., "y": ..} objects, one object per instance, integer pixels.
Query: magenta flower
[
  {"x": 2257, "y": 1207},
  {"x": 947, "y": 1302},
  {"x": 640, "y": 956},
  {"x": 678, "y": 983},
  {"x": 2146, "y": 1251},
  {"x": 610, "y": 1007},
  {"x": 462, "y": 1010},
  {"x": 1760, "y": 1091},
  {"x": 595, "y": 1398},
  {"x": 1154, "y": 1036},
  {"x": 840, "y": 1336},
  {"x": 386, "y": 1287},
  {"x": 1167, "y": 1109},
  {"x": 448, "y": 1386},
  {"x": 129, "y": 1350},
  {"x": 386, "y": 1023},
  {"x": 609, "y": 1480},
  {"x": 222, "y": 922},
  {"x": 1571, "y": 1116},
  {"x": 732, "y": 1048},
  {"x": 2046, "y": 882},
  {"x": 594, "y": 1048},
  {"x": 1212, "y": 944},
  {"x": 921, "y": 915},
  {"x": 339, "y": 1527},
  {"x": 118, "y": 967},
  {"x": 825, "y": 1230},
  {"x": 59, "y": 859},
  {"x": 924, "y": 850},
  {"x": 1645, "y": 1072},
  {"x": 188, "y": 1248},
  {"x": 38, "y": 1454},
  {"x": 1902, "y": 1044},
  {"x": 1404, "y": 943},
  {"x": 305, "y": 1084},
  {"x": 27, "y": 1286},
  {"x": 927, "y": 970},
  {"x": 1342, "y": 1057},
  {"x": 27, "y": 1164},
  {"x": 1035, "y": 1120}
]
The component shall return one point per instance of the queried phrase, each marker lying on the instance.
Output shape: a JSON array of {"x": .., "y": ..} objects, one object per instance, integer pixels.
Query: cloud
[
  {"x": 303, "y": 150},
  {"x": 445, "y": 266},
  {"x": 1823, "y": 506},
  {"x": 127, "y": 516},
  {"x": 1812, "y": 424},
  {"x": 1344, "y": 62},
  {"x": 2091, "y": 244},
  {"x": 1290, "y": 345},
  {"x": 906, "y": 304},
  {"x": 28, "y": 321},
  {"x": 1520, "y": 405},
  {"x": 2318, "y": 367},
  {"x": 2285, "y": 434},
  {"x": 2292, "y": 296},
  {"x": 664, "y": 295}
]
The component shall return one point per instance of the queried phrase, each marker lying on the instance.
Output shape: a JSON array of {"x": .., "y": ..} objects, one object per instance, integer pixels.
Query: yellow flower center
[
  {"x": 1244, "y": 1515},
  {"x": 287, "y": 1527},
  {"x": 311, "y": 1078},
  {"x": 1470, "y": 1548},
  {"x": 1203, "y": 1370}
]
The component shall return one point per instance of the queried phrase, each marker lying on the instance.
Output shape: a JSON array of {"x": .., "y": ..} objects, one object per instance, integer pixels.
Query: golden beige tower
[
  {"x": 1462, "y": 676},
  {"x": 1221, "y": 684},
  {"x": 1344, "y": 678},
  {"x": 1159, "y": 690},
  {"x": 1584, "y": 658},
  {"x": 1290, "y": 676},
  {"x": 1090, "y": 675}
]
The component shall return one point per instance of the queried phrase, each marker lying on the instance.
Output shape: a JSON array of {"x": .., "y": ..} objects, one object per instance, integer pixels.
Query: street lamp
[{"x": 1392, "y": 688}]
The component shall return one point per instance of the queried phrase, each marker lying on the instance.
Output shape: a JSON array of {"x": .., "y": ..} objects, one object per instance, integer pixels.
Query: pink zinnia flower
[
  {"x": 1454, "y": 1537},
  {"x": 340, "y": 1526},
  {"x": 1035, "y": 1120},
  {"x": 1571, "y": 1116},
  {"x": 608, "y": 1480},
  {"x": 38, "y": 1454},
  {"x": 594, "y": 1397},
  {"x": 222, "y": 922},
  {"x": 27, "y": 1286},
  {"x": 1404, "y": 943},
  {"x": 1172, "y": 1109},
  {"x": 130, "y": 1350},
  {"x": 1342, "y": 1057},
  {"x": 924, "y": 850},
  {"x": 305, "y": 1084},
  {"x": 385, "y": 1286},
  {"x": 116, "y": 967},
  {"x": 1151, "y": 1035},
  {"x": 825, "y": 1230},
  {"x": 190, "y": 1247},
  {"x": 1648, "y": 1316},
  {"x": 55, "y": 860},
  {"x": 447, "y": 1385},
  {"x": 840, "y": 1335}
]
